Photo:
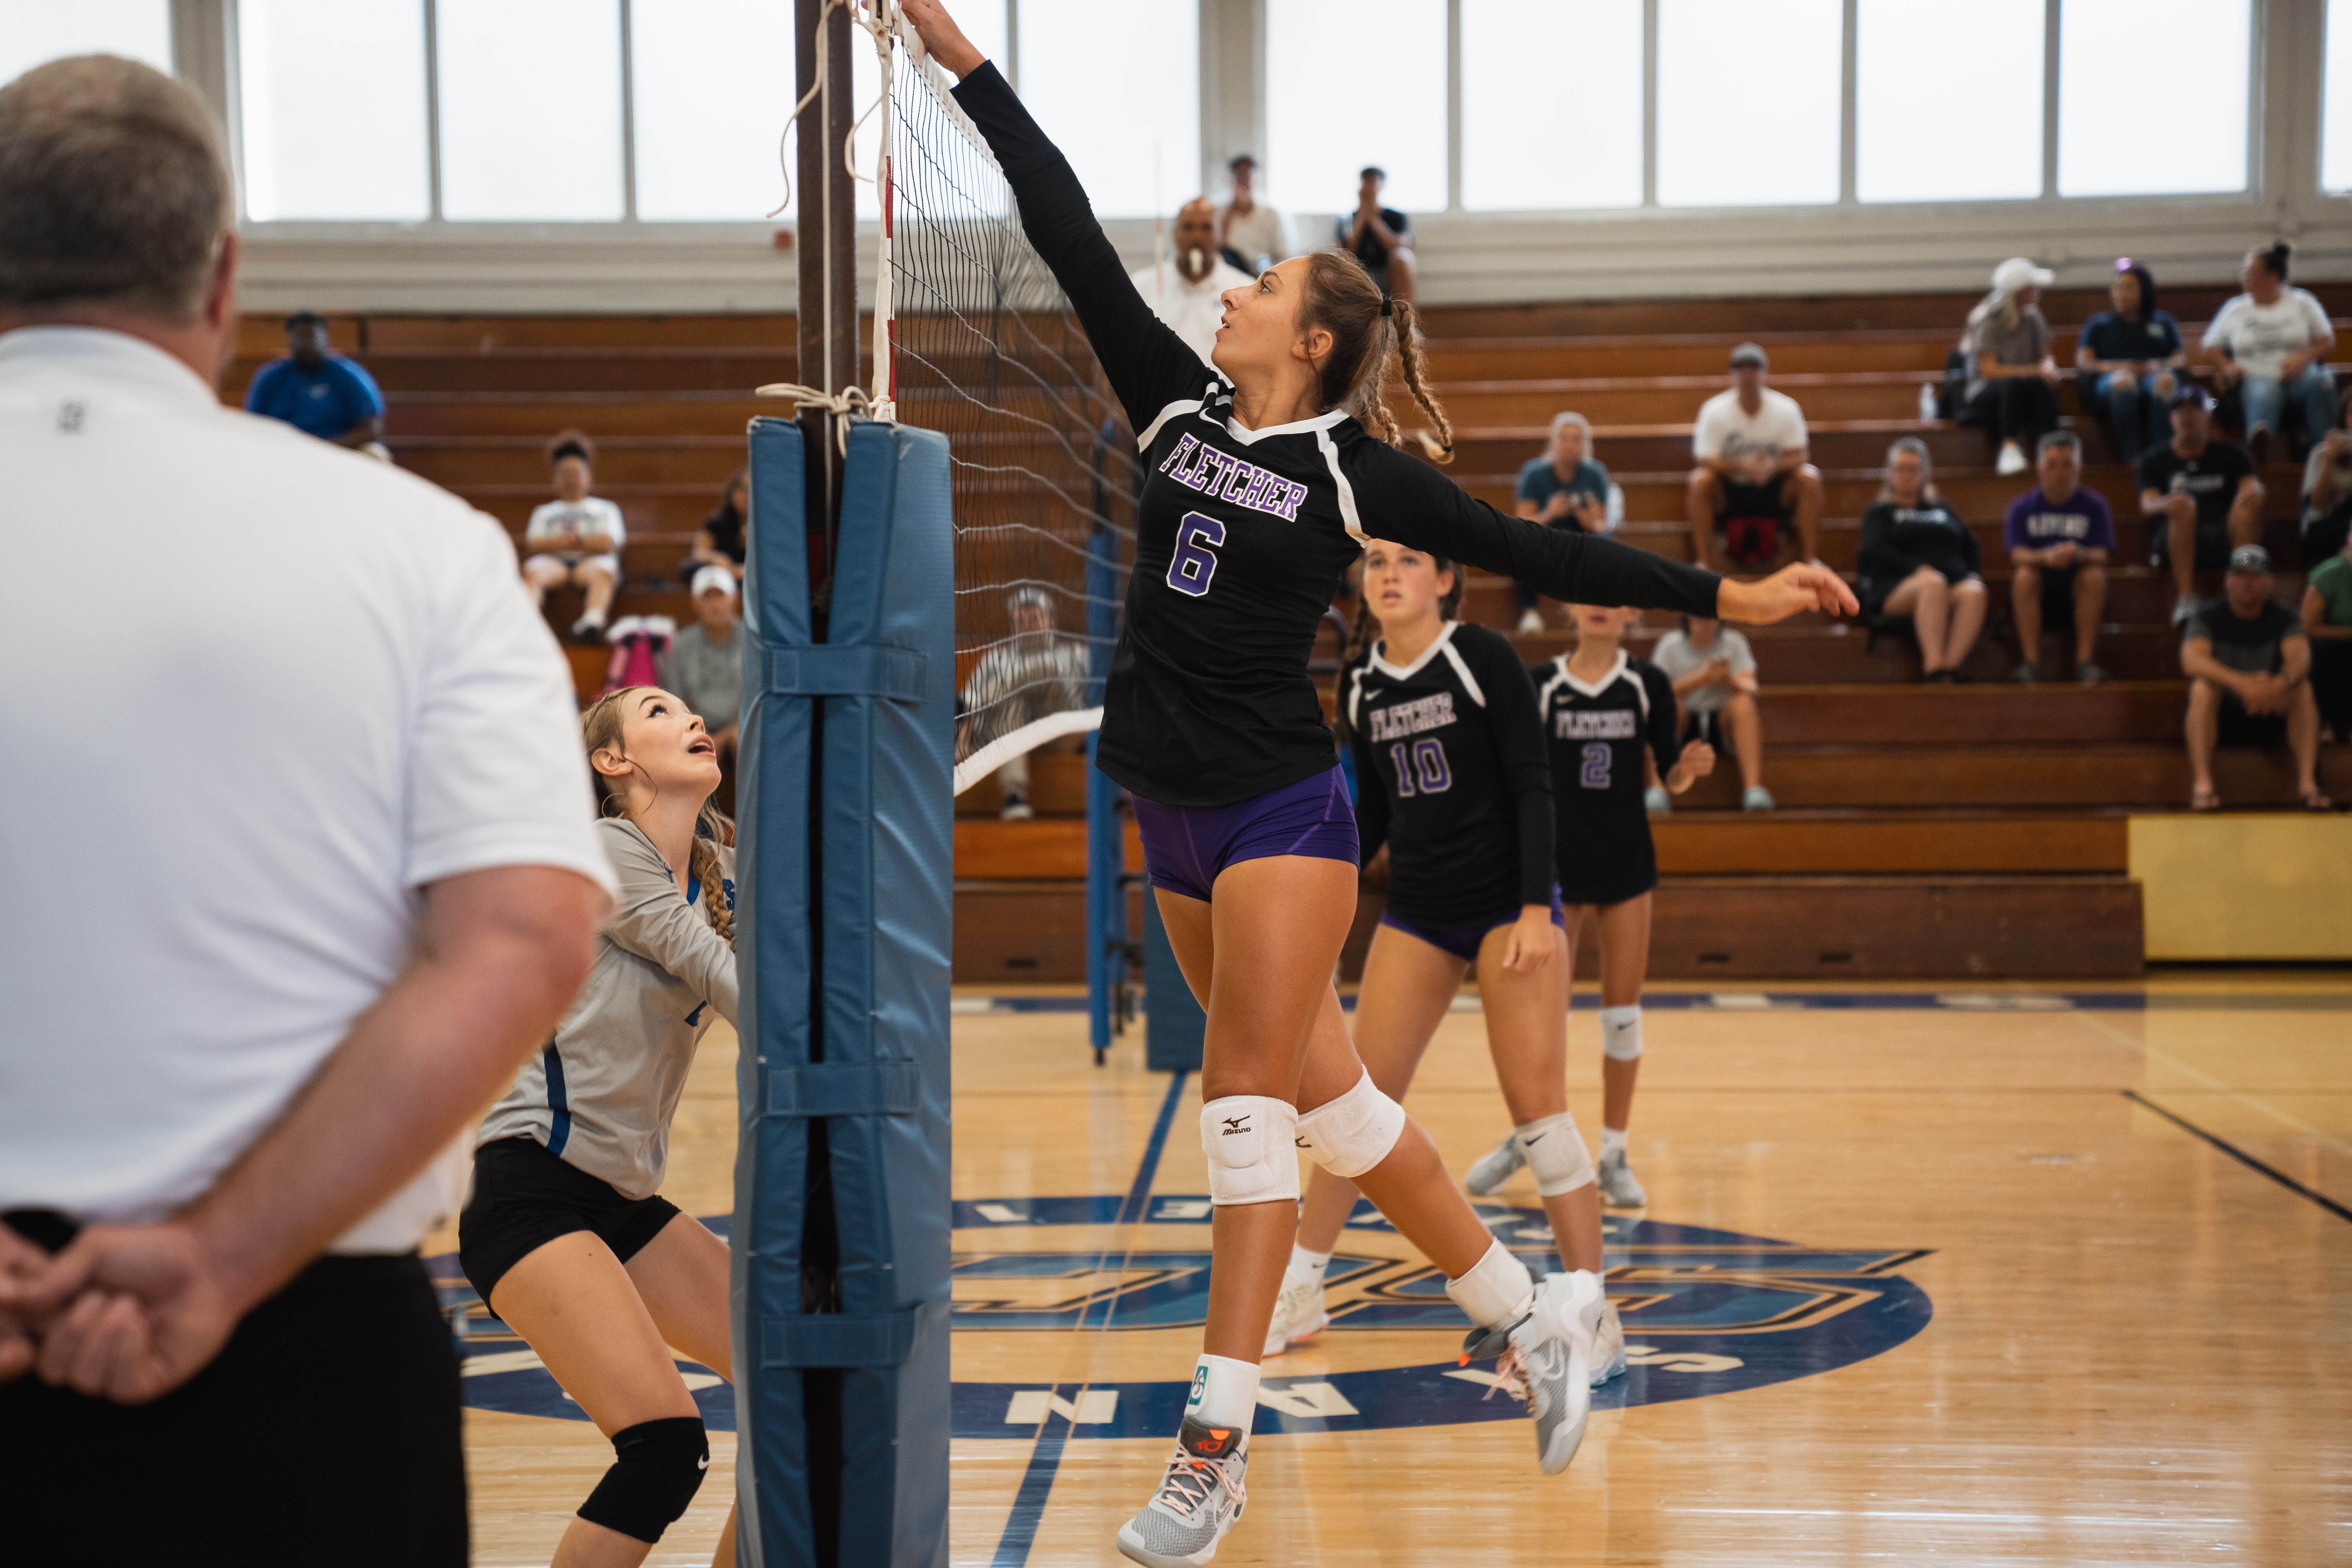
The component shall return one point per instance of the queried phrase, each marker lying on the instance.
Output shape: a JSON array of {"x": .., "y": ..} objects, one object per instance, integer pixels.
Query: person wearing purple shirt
[{"x": 2059, "y": 537}]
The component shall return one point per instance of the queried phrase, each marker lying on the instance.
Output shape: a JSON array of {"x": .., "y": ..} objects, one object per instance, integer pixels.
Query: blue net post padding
[
  {"x": 872, "y": 1062},
  {"x": 772, "y": 956},
  {"x": 1107, "y": 939}
]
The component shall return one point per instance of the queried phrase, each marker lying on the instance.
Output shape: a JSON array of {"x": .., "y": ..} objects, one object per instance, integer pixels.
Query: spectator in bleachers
[
  {"x": 2248, "y": 661},
  {"x": 704, "y": 666},
  {"x": 1248, "y": 229},
  {"x": 1753, "y": 480},
  {"x": 1381, "y": 236},
  {"x": 2271, "y": 342},
  {"x": 1713, "y": 672},
  {"x": 576, "y": 538},
  {"x": 2135, "y": 353},
  {"x": 2327, "y": 621},
  {"x": 319, "y": 391},
  {"x": 1186, "y": 290},
  {"x": 2201, "y": 498},
  {"x": 1565, "y": 488},
  {"x": 719, "y": 541},
  {"x": 2059, "y": 536},
  {"x": 1034, "y": 673},
  {"x": 2328, "y": 488},
  {"x": 1919, "y": 559},
  {"x": 2012, "y": 387}
]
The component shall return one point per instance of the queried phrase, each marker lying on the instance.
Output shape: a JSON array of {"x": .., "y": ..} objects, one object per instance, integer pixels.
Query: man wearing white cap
[
  {"x": 705, "y": 666},
  {"x": 2013, "y": 380}
]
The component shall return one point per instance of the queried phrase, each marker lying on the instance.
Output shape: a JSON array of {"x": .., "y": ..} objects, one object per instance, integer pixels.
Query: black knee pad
[{"x": 659, "y": 1468}]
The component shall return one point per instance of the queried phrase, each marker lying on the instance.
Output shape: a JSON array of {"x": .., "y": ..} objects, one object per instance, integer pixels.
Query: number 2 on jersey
[
  {"x": 1425, "y": 757},
  {"x": 1596, "y": 767},
  {"x": 1195, "y": 561}
]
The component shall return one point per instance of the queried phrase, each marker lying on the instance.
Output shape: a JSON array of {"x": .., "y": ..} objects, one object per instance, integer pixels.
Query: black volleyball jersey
[
  {"x": 1596, "y": 734},
  {"x": 1450, "y": 774},
  {"x": 1242, "y": 535}
]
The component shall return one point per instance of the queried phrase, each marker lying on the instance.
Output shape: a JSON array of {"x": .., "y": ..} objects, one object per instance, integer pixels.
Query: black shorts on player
[
  {"x": 525, "y": 1197},
  {"x": 1452, "y": 775},
  {"x": 1242, "y": 535},
  {"x": 1596, "y": 735}
]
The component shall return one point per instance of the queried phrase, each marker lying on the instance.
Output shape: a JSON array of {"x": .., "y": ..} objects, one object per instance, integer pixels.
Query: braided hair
[
  {"x": 600, "y": 729},
  {"x": 1369, "y": 329}
]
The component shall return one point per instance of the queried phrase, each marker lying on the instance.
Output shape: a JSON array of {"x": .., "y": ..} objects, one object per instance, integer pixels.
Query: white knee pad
[
  {"x": 1253, "y": 1157},
  {"x": 1349, "y": 1135},
  {"x": 1620, "y": 1033},
  {"x": 1555, "y": 1153}
]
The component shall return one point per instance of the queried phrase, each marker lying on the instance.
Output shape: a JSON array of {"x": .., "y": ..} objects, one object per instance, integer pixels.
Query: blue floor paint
[{"x": 1733, "y": 1000}]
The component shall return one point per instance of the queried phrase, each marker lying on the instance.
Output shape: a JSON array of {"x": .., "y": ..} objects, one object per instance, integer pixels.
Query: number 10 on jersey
[{"x": 1195, "y": 561}]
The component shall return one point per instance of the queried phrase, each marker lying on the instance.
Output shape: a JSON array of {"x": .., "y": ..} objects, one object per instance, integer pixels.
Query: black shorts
[
  {"x": 1609, "y": 867},
  {"x": 1752, "y": 517},
  {"x": 1707, "y": 727},
  {"x": 2057, "y": 598},
  {"x": 2236, "y": 727},
  {"x": 524, "y": 1197},
  {"x": 326, "y": 1430}
]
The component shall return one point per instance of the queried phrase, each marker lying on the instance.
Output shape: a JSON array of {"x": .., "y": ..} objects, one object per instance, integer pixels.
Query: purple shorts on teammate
[
  {"x": 1185, "y": 847},
  {"x": 1463, "y": 942}
]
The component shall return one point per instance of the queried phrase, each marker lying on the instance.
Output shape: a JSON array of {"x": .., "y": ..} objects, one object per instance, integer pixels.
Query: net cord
[{"x": 1035, "y": 733}]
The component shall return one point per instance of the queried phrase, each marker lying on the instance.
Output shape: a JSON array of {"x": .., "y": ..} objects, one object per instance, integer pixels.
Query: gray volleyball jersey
[{"x": 600, "y": 1094}]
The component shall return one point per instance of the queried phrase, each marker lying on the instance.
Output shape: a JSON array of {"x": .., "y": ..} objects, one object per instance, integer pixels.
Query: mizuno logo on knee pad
[
  {"x": 1349, "y": 1135},
  {"x": 1250, "y": 1139},
  {"x": 1236, "y": 1124}
]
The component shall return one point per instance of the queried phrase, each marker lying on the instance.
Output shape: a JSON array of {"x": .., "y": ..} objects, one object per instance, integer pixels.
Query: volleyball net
[{"x": 973, "y": 337}]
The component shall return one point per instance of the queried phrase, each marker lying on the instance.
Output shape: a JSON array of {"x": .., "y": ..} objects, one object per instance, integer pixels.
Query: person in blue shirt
[
  {"x": 2134, "y": 354},
  {"x": 1566, "y": 488},
  {"x": 317, "y": 390}
]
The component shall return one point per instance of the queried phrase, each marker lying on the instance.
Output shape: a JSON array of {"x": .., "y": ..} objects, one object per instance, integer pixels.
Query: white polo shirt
[
  {"x": 262, "y": 690},
  {"x": 1192, "y": 311}
]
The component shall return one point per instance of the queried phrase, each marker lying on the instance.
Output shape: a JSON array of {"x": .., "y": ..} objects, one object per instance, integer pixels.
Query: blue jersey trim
[{"x": 559, "y": 1130}]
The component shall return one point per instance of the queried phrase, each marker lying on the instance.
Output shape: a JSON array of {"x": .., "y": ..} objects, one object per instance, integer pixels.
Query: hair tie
[{"x": 1385, "y": 303}]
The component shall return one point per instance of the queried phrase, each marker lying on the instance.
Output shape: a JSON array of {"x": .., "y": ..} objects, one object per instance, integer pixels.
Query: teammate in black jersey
[
  {"x": 1453, "y": 778},
  {"x": 1260, "y": 485},
  {"x": 1602, "y": 708}
]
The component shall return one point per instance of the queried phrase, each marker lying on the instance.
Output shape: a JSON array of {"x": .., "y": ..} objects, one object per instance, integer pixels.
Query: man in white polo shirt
[
  {"x": 1186, "y": 290},
  {"x": 1752, "y": 485},
  {"x": 298, "y": 865}
]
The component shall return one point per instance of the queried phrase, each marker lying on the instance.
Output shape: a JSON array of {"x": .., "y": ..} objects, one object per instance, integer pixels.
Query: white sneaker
[
  {"x": 1756, "y": 798},
  {"x": 1298, "y": 1313},
  {"x": 2011, "y": 459},
  {"x": 1015, "y": 807},
  {"x": 1608, "y": 1343},
  {"x": 1619, "y": 1190},
  {"x": 1656, "y": 801},
  {"x": 1545, "y": 1361},
  {"x": 1496, "y": 1166},
  {"x": 1530, "y": 621},
  {"x": 1200, "y": 1499}
]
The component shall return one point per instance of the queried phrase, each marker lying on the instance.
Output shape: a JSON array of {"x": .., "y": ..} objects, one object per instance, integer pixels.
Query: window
[
  {"x": 325, "y": 139},
  {"x": 34, "y": 32},
  {"x": 2336, "y": 100},
  {"x": 1749, "y": 100},
  {"x": 1948, "y": 100},
  {"x": 983, "y": 22},
  {"x": 1552, "y": 104},
  {"x": 1348, "y": 83},
  {"x": 2152, "y": 96},
  {"x": 530, "y": 110},
  {"x": 713, "y": 90},
  {"x": 1118, "y": 88}
]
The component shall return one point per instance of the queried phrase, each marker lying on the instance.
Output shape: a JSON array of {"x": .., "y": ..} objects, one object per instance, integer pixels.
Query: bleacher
[{"x": 1925, "y": 831}]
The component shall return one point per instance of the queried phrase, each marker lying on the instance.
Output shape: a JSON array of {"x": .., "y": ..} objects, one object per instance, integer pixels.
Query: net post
[{"x": 1108, "y": 943}]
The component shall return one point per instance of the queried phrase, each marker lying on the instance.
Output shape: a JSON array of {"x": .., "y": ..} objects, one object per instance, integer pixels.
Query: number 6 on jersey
[{"x": 1195, "y": 561}]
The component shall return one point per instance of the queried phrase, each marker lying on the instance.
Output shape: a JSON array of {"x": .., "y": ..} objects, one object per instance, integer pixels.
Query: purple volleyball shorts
[
  {"x": 1463, "y": 942},
  {"x": 1186, "y": 848}
]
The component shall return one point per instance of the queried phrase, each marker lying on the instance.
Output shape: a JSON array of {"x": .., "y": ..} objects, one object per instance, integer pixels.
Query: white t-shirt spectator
[
  {"x": 1194, "y": 311},
  {"x": 588, "y": 517},
  {"x": 1728, "y": 433},
  {"x": 1679, "y": 657},
  {"x": 314, "y": 686},
  {"x": 2259, "y": 336},
  {"x": 1261, "y": 231}
]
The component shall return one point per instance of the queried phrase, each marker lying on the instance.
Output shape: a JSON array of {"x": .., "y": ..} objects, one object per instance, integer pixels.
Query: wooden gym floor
[{"x": 2028, "y": 1275}]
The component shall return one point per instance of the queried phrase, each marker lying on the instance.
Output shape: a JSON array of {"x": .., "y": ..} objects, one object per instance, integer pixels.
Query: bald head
[
  {"x": 1196, "y": 237},
  {"x": 113, "y": 192}
]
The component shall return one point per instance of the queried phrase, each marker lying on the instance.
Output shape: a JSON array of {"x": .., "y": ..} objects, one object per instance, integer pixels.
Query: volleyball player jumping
[
  {"x": 566, "y": 1235},
  {"x": 1452, "y": 773},
  {"x": 1260, "y": 485},
  {"x": 1602, "y": 707}
]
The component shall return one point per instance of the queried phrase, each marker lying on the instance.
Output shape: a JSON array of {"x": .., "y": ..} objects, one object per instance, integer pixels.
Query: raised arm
[
  {"x": 1403, "y": 498},
  {"x": 1148, "y": 366}
]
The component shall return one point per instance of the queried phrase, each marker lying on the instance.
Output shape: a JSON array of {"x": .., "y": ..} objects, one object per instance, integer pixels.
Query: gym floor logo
[{"x": 1706, "y": 1311}]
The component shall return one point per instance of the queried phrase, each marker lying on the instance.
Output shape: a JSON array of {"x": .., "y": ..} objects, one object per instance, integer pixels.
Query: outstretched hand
[
  {"x": 942, "y": 37},
  {"x": 1791, "y": 591}
]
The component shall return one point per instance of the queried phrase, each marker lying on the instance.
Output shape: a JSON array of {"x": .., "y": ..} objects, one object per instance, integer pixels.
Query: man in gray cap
[
  {"x": 1752, "y": 481},
  {"x": 2248, "y": 663}
]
